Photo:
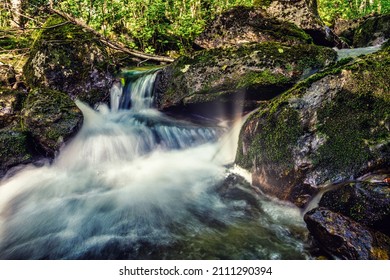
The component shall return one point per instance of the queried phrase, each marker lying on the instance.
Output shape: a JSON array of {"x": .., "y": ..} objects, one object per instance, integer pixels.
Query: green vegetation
[
  {"x": 331, "y": 10},
  {"x": 165, "y": 26}
]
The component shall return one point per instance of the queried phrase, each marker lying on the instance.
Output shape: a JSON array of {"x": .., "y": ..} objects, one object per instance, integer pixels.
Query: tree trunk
[{"x": 17, "y": 7}]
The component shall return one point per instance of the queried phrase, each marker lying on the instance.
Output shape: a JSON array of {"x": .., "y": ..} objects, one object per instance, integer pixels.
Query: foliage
[
  {"x": 166, "y": 26},
  {"x": 330, "y": 10}
]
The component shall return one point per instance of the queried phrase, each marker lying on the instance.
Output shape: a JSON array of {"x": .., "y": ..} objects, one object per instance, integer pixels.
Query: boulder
[
  {"x": 329, "y": 128},
  {"x": 236, "y": 189},
  {"x": 242, "y": 25},
  {"x": 344, "y": 238},
  {"x": 365, "y": 202},
  {"x": 373, "y": 31},
  {"x": 69, "y": 59},
  {"x": 51, "y": 117},
  {"x": 218, "y": 81},
  {"x": 304, "y": 14}
]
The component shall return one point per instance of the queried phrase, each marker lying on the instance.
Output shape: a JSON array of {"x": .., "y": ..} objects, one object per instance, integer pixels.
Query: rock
[
  {"x": 218, "y": 80},
  {"x": 331, "y": 127},
  {"x": 51, "y": 117},
  {"x": 7, "y": 75},
  {"x": 345, "y": 28},
  {"x": 345, "y": 238},
  {"x": 304, "y": 14},
  {"x": 11, "y": 102},
  {"x": 242, "y": 25},
  {"x": 236, "y": 188},
  {"x": 71, "y": 60},
  {"x": 365, "y": 202},
  {"x": 14, "y": 148},
  {"x": 373, "y": 31}
]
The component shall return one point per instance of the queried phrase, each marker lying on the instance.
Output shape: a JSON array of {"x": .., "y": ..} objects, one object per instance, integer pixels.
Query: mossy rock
[
  {"x": 14, "y": 148},
  {"x": 330, "y": 127},
  {"x": 67, "y": 58},
  {"x": 373, "y": 31},
  {"x": 365, "y": 202},
  {"x": 226, "y": 77},
  {"x": 249, "y": 25},
  {"x": 51, "y": 117},
  {"x": 344, "y": 238},
  {"x": 304, "y": 14}
]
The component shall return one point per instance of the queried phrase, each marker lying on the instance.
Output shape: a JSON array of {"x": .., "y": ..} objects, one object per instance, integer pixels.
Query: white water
[
  {"x": 131, "y": 182},
  {"x": 345, "y": 53}
]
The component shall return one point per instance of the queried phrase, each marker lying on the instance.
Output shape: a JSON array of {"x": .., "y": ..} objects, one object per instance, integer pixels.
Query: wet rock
[
  {"x": 220, "y": 81},
  {"x": 373, "y": 31},
  {"x": 242, "y": 25},
  {"x": 236, "y": 188},
  {"x": 51, "y": 117},
  {"x": 365, "y": 202},
  {"x": 344, "y": 238},
  {"x": 329, "y": 128},
  {"x": 71, "y": 60}
]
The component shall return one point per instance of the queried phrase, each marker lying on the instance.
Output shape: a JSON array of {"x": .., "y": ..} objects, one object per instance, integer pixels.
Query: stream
[{"x": 137, "y": 184}]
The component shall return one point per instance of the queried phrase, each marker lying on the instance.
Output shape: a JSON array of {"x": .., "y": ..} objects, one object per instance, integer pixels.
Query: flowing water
[{"x": 136, "y": 184}]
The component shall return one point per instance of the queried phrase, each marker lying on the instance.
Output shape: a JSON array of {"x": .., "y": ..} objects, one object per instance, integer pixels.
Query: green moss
[
  {"x": 265, "y": 77},
  {"x": 262, "y": 3},
  {"x": 13, "y": 148},
  {"x": 52, "y": 118}
]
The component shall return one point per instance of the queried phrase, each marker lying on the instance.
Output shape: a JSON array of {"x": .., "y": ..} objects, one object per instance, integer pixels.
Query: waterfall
[{"x": 137, "y": 184}]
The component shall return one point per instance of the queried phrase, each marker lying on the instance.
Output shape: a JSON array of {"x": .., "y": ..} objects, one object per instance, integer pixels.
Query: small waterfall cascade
[
  {"x": 137, "y": 92},
  {"x": 137, "y": 184}
]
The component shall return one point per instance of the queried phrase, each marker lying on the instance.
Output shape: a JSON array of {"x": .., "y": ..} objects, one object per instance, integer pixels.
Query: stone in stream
[
  {"x": 344, "y": 238},
  {"x": 365, "y": 202}
]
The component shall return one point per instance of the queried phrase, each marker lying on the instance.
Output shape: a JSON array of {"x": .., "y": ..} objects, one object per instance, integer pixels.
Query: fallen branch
[{"x": 107, "y": 42}]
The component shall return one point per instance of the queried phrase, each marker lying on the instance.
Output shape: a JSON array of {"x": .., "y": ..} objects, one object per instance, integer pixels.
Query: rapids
[{"x": 137, "y": 184}]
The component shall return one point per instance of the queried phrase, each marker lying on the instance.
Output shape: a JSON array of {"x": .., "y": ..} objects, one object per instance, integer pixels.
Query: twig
[{"x": 107, "y": 42}]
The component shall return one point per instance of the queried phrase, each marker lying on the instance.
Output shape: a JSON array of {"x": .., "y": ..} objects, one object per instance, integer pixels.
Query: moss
[
  {"x": 279, "y": 134},
  {"x": 52, "y": 118},
  {"x": 355, "y": 121},
  {"x": 262, "y": 3},
  {"x": 13, "y": 148},
  {"x": 265, "y": 77},
  {"x": 70, "y": 59}
]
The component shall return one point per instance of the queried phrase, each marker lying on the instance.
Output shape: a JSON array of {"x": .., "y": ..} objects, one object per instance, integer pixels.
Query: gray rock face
[
  {"x": 68, "y": 59},
  {"x": 304, "y": 14},
  {"x": 243, "y": 25},
  {"x": 329, "y": 128}
]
